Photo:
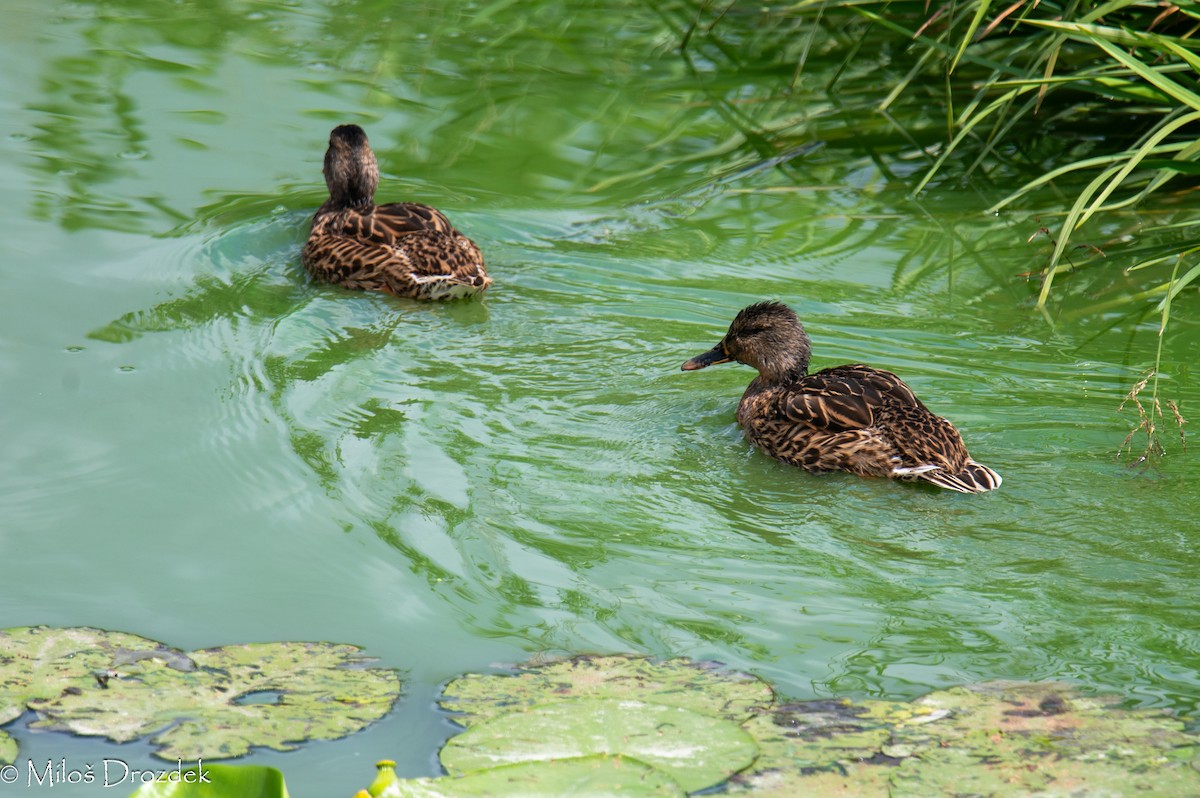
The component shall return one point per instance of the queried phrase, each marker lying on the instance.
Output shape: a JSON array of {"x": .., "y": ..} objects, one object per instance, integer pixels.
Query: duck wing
[
  {"x": 403, "y": 248},
  {"x": 858, "y": 397},
  {"x": 924, "y": 439},
  {"x": 401, "y": 218},
  {"x": 845, "y": 398},
  {"x": 385, "y": 224}
]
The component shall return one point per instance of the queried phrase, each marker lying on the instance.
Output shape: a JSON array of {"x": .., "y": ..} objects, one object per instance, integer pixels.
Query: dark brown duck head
[
  {"x": 351, "y": 171},
  {"x": 766, "y": 336}
]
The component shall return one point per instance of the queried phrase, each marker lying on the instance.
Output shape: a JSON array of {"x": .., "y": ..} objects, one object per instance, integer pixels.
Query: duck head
[
  {"x": 766, "y": 336},
  {"x": 351, "y": 171}
]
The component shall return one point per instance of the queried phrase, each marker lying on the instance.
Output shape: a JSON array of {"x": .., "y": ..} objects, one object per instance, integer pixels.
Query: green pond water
[{"x": 201, "y": 447}]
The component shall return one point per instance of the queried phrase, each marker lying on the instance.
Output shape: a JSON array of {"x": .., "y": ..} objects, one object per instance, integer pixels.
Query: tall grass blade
[
  {"x": 1069, "y": 225},
  {"x": 981, "y": 9},
  {"x": 1178, "y": 285},
  {"x": 970, "y": 125},
  {"x": 1153, "y": 76},
  {"x": 1135, "y": 158},
  {"x": 1087, "y": 163}
]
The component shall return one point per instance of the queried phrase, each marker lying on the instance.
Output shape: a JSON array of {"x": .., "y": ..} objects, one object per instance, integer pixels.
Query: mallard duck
[
  {"x": 846, "y": 418},
  {"x": 401, "y": 248}
]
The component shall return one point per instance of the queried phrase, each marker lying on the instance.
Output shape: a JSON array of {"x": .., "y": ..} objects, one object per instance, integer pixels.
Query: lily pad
[
  {"x": 8, "y": 749},
  {"x": 1006, "y": 770},
  {"x": 202, "y": 704},
  {"x": 848, "y": 781},
  {"x": 1007, "y": 738},
  {"x": 39, "y": 662},
  {"x": 579, "y": 777},
  {"x": 1053, "y": 718},
  {"x": 702, "y": 687},
  {"x": 819, "y": 748},
  {"x": 996, "y": 739},
  {"x": 695, "y": 749},
  {"x": 989, "y": 739},
  {"x": 820, "y": 734},
  {"x": 218, "y": 781},
  {"x": 320, "y": 690}
]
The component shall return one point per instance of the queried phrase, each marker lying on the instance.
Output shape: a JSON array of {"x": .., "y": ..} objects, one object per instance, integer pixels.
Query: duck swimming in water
[
  {"x": 846, "y": 418},
  {"x": 402, "y": 248}
]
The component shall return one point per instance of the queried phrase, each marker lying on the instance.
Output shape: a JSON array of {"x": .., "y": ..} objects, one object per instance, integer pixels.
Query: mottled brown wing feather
[
  {"x": 384, "y": 224},
  {"x": 405, "y": 249},
  {"x": 923, "y": 438},
  {"x": 848, "y": 398},
  {"x": 402, "y": 218},
  {"x": 845, "y": 397}
]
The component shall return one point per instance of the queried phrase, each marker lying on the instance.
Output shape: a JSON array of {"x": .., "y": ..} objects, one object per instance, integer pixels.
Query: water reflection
[{"x": 147, "y": 95}]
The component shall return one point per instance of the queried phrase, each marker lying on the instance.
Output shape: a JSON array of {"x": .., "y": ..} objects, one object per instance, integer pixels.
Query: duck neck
[
  {"x": 356, "y": 193},
  {"x": 351, "y": 180},
  {"x": 784, "y": 366},
  {"x": 781, "y": 374}
]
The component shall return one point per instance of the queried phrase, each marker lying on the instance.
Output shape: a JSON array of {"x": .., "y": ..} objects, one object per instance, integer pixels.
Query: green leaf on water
[
  {"x": 996, "y": 739},
  {"x": 216, "y": 703},
  {"x": 579, "y": 777},
  {"x": 698, "y": 686},
  {"x": 319, "y": 691},
  {"x": 1053, "y": 715},
  {"x": 830, "y": 747},
  {"x": 992, "y": 738},
  {"x": 844, "y": 781},
  {"x": 221, "y": 781},
  {"x": 695, "y": 749},
  {"x": 8, "y": 749},
  {"x": 1009, "y": 770},
  {"x": 1021, "y": 738},
  {"x": 816, "y": 735},
  {"x": 38, "y": 662}
]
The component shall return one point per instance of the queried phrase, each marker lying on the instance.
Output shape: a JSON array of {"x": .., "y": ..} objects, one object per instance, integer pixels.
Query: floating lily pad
[
  {"x": 702, "y": 687},
  {"x": 828, "y": 747},
  {"x": 817, "y": 735},
  {"x": 993, "y": 739},
  {"x": 38, "y": 662},
  {"x": 580, "y": 777},
  {"x": 8, "y": 749},
  {"x": 203, "y": 703},
  {"x": 846, "y": 781},
  {"x": 320, "y": 694},
  {"x": 1054, "y": 717},
  {"x": 695, "y": 749},
  {"x": 218, "y": 781},
  {"x": 1014, "y": 739},
  {"x": 1006, "y": 771},
  {"x": 997, "y": 739}
]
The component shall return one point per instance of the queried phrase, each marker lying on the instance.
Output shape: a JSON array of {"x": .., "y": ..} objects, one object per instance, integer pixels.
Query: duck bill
[{"x": 710, "y": 358}]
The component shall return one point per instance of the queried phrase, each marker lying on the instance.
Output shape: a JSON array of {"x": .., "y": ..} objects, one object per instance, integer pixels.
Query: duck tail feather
[{"x": 974, "y": 478}]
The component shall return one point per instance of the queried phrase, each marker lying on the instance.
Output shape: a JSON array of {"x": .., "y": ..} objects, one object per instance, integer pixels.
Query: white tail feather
[
  {"x": 914, "y": 470},
  {"x": 974, "y": 478}
]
